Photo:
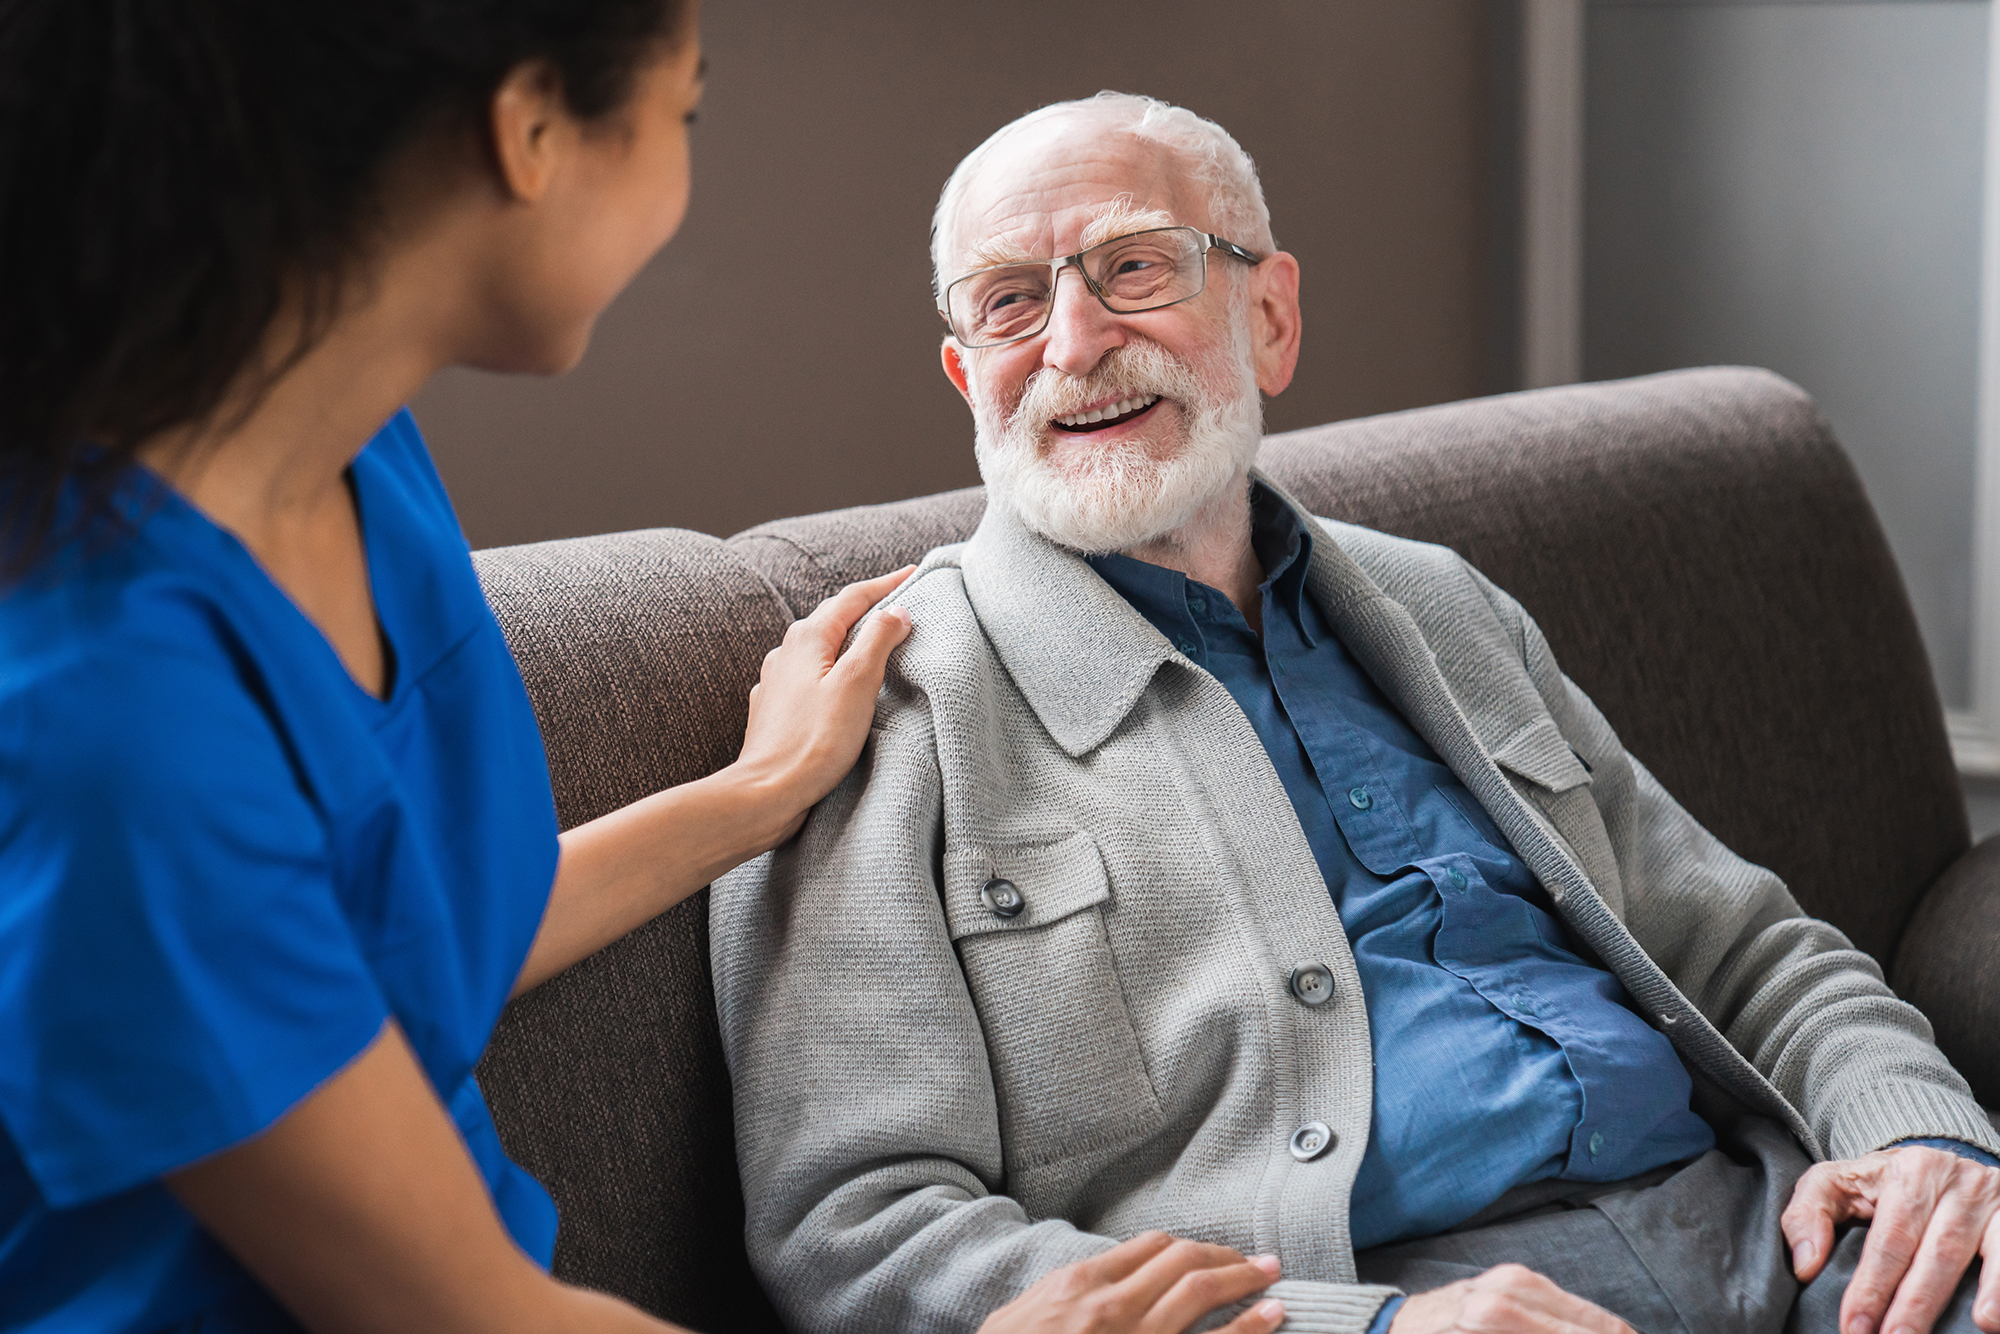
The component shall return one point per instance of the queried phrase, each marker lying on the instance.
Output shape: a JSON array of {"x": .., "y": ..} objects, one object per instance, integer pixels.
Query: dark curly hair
[{"x": 170, "y": 170}]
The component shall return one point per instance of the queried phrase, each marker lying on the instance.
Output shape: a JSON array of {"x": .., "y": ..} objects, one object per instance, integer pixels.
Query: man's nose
[{"x": 1080, "y": 329}]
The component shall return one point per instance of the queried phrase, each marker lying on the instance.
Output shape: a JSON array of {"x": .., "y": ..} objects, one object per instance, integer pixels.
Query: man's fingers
[
  {"x": 1943, "y": 1255},
  {"x": 1893, "y": 1239},
  {"x": 1986, "y": 1306},
  {"x": 1819, "y": 1200},
  {"x": 1209, "y": 1288}
]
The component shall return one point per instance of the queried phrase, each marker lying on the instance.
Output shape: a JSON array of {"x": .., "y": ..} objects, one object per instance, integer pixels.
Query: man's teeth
[{"x": 1119, "y": 409}]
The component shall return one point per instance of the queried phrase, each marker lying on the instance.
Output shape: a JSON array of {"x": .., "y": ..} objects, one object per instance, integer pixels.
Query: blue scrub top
[{"x": 224, "y": 865}]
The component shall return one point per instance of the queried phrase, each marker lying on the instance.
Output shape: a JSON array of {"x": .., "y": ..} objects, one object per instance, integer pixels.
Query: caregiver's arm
[
  {"x": 361, "y": 1210},
  {"x": 809, "y": 714}
]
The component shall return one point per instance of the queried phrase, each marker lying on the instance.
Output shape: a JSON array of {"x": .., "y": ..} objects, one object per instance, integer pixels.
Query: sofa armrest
[{"x": 1948, "y": 965}]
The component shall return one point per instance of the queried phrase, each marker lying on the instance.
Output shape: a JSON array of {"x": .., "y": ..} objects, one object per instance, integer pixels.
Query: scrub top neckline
[{"x": 361, "y": 488}]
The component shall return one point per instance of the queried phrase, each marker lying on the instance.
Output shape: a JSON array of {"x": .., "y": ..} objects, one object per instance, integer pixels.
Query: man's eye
[{"x": 1000, "y": 298}]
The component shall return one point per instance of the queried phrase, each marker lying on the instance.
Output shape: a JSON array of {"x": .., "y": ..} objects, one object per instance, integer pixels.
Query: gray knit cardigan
[{"x": 937, "y": 1104}]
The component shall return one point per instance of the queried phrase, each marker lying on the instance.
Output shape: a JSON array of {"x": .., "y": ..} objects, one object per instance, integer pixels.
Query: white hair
[{"x": 1235, "y": 197}]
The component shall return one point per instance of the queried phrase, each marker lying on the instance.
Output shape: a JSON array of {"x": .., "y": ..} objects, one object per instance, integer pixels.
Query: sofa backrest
[{"x": 1695, "y": 545}]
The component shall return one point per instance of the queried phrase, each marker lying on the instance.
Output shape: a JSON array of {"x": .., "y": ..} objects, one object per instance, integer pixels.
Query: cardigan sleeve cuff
[{"x": 1331, "y": 1308}]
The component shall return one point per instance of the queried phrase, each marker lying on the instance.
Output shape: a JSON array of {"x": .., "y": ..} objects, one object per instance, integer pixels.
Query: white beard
[{"x": 1119, "y": 496}]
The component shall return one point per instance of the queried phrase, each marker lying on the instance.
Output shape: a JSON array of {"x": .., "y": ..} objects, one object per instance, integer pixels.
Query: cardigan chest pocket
[
  {"x": 1543, "y": 768},
  {"x": 1068, "y": 1070},
  {"x": 1539, "y": 754}
]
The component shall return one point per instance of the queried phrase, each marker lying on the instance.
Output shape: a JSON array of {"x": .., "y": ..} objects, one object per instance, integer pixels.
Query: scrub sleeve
[{"x": 224, "y": 866}]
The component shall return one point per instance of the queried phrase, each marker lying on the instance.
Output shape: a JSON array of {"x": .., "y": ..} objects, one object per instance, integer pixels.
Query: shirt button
[
  {"x": 1187, "y": 646},
  {"x": 1197, "y": 604},
  {"x": 1312, "y": 983},
  {"x": 1002, "y": 898},
  {"x": 1457, "y": 878},
  {"x": 1311, "y": 1140},
  {"x": 1360, "y": 798},
  {"x": 1596, "y": 1142}
]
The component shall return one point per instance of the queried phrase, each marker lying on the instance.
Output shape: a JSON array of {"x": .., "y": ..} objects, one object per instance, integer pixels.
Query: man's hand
[
  {"x": 1932, "y": 1212},
  {"x": 1152, "y": 1284},
  {"x": 1506, "y": 1299}
]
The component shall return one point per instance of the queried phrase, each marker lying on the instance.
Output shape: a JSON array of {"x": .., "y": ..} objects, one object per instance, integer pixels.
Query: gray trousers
[{"x": 1689, "y": 1250}]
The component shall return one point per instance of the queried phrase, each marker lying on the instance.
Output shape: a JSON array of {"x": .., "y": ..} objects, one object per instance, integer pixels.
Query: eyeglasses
[{"x": 1146, "y": 270}]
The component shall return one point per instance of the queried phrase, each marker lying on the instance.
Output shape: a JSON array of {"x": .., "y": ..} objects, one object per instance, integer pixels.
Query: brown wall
[{"x": 780, "y": 356}]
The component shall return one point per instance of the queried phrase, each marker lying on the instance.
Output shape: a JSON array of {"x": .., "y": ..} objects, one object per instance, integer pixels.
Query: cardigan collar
[{"x": 1079, "y": 652}]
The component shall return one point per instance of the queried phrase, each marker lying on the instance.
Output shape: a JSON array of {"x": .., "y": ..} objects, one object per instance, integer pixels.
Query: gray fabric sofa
[{"x": 1695, "y": 545}]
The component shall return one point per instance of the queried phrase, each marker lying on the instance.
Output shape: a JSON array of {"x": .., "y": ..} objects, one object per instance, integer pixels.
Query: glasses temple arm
[{"x": 1231, "y": 248}]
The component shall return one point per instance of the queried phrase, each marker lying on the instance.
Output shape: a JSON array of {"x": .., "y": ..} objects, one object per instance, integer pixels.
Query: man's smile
[{"x": 1117, "y": 412}]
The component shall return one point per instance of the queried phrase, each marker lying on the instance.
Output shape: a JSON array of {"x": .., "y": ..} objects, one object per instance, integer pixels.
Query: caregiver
[{"x": 276, "y": 835}]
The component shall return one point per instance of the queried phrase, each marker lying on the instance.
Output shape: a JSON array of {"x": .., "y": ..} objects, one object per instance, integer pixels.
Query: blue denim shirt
[{"x": 1501, "y": 1055}]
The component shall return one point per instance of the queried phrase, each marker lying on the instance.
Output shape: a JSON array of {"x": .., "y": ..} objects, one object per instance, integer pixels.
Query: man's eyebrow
[
  {"x": 1121, "y": 217},
  {"x": 999, "y": 251}
]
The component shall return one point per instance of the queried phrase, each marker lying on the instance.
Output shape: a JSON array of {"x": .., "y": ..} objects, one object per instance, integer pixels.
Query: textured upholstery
[
  {"x": 608, "y": 1082},
  {"x": 1695, "y": 545},
  {"x": 1949, "y": 967},
  {"x": 809, "y": 559}
]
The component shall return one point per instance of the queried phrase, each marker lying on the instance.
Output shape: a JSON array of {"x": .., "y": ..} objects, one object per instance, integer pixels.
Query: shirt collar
[
  {"x": 1283, "y": 546},
  {"x": 1079, "y": 652}
]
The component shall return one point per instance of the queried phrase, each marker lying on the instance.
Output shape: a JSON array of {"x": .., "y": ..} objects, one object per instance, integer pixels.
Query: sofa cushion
[
  {"x": 608, "y": 1081},
  {"x": 1703, "y": 560}
]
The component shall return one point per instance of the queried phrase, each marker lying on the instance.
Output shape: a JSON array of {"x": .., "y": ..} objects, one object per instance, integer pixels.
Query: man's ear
[
  {"x": 531, "y": 127},
  {"x": 1274, "y": 321},
  {"x": 954, "y": 370}
]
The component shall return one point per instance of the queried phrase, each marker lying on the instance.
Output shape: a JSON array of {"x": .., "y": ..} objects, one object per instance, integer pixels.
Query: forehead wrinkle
[
  {"x": 1023, "y": 194},
  {"x": 1114, "y": 218}
]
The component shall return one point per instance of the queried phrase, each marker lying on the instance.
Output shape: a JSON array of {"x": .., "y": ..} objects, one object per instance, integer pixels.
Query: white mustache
[{"x": 1135, "y": 370}]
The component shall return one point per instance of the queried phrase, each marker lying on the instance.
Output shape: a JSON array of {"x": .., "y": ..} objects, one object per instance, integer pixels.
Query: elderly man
[{"x": 1260, "y": 879}]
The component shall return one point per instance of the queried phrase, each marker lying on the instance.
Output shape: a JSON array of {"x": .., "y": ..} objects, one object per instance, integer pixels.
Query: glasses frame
[{"x": 1061, "y": 262}]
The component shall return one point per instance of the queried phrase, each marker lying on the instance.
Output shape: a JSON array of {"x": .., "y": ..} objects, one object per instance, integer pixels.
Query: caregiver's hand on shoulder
[
  {"x": 1152, "y": 1284},
  {"x": 1930, "y": 1214},
  {"x": 810, "y": 709},
  {"x": 809, "y": 717},
  {"x": 1506, "y": 1299}
]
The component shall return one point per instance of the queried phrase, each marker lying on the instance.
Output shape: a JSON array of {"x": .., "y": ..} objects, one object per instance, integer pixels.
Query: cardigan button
[
  {"x": 1002, "y": 898},
  {"x": 1311, "y": 982},
  {"x": 1311, "y": 1140}
]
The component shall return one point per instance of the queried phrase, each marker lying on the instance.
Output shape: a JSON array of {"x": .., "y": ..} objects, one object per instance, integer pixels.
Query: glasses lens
[
  {"x": 1148, "y": 269},
  {"x": 994, "y": 305}
]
